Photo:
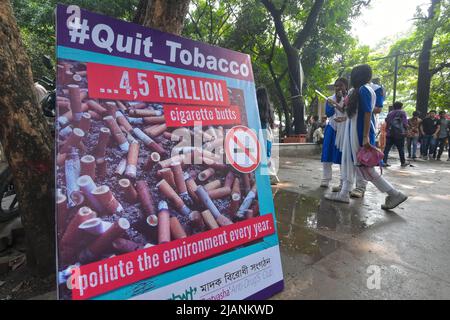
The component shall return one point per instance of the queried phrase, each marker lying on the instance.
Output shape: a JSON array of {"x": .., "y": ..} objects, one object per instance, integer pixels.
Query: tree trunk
[
  {"x": 425, "y": 75},
  {"x": 27, "y": 143},
  {"x": 284, "y": 104},
  {"x": 424, "y": 78},
  {"x": 164, "y": 15},
  {"x": 298, "y": 106}
]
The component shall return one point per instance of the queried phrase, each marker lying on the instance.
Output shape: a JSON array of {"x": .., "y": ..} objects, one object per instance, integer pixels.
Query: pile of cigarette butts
[{"x": 120, "y": 185}]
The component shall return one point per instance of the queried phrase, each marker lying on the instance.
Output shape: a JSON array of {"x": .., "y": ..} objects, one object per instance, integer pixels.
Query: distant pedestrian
[
  {"x": 314, "y": 125},
  {"x": 396, "y": 126},
  {"x": 360, "y": 133},
  {"x": 441, "y": 136},
  {"x": 413, "y": 134},
  {"x": 429, "y": 128}
]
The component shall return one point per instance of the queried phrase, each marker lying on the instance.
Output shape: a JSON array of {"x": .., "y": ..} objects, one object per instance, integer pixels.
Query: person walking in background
[
  {"x": 267, "y": 118},
  {"x": 441, "y": 136},
  {"x": 413, "y": 134},
  {"x": 334, "y": 134},
  {"x": 396, "y": 126},
  {"x": 429, "y": 128},
  {"x": 360, "y": 133},
  {"x": 314, "y": 125}
]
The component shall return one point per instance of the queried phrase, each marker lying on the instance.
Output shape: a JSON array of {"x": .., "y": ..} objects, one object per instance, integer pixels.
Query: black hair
[
  {"x": 344, "y": 81},
  {"x": 397, "y": 105},
  {"x": 442, "y": 112},
  {"x": 416, "y": 114},
  {"x": 432, "y": 111},
  {"x": 316, "y": 118},
  {"x": 360, "y": 76},
  {"x": 265, "y": 106}
]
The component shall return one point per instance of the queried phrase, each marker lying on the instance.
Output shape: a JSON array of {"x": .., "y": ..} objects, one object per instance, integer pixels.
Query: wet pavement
[{"x": 359, "y": 251}]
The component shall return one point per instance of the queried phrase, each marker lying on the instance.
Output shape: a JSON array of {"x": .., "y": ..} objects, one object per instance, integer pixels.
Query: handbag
[{"x": 369, "y": 156}]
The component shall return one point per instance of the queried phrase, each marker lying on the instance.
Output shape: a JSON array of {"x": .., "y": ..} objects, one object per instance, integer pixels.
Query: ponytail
[{"x": 360, "y": 76}]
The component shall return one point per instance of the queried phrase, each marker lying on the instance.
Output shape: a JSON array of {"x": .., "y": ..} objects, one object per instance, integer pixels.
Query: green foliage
[{"x": 36, "y": 21}]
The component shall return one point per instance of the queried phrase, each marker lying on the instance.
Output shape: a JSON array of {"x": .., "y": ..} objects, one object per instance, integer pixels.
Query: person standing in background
[
  {"x": 429, "y": 128},
  {"x": 267, "y": 118},
  {"x": 333, "y": 134},
  {"x": 396, "y": 125},
  {"x": 441, "y": 136},
  {"x": 413, "y": 134}
]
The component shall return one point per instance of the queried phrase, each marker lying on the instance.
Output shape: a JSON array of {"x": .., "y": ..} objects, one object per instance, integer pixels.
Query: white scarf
[{"x": 351, "y": 142}]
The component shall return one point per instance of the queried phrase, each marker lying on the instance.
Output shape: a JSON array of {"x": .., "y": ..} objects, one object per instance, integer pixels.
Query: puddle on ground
[{"x": 298, "y": 216}]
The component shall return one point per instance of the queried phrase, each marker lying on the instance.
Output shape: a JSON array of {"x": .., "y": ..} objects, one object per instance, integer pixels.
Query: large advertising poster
[{"x": 160, "y": 191}]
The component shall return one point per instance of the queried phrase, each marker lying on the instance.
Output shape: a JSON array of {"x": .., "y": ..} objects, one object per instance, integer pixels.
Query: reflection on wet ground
[{"x": 300, "y": 216}]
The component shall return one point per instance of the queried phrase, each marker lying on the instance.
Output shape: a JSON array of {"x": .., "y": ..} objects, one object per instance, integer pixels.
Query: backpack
[{"x": 396, "y": 127}]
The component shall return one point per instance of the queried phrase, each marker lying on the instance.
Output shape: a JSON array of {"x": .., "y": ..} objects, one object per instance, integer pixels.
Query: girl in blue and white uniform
[{"x": 334, "y": 131}]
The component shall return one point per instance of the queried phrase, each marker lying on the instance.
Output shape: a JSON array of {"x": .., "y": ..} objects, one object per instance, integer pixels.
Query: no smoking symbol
[{"x": 242, "y": 149}]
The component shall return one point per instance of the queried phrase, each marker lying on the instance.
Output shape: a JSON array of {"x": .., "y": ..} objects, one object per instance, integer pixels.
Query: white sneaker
[
  {"x": 336, "y": 188},
  {"x": 337, "y": 197},
  {"x": 325, "y": 183},
  {"x": 392, "y": 202},
  {"x": 358, "y": 192}
]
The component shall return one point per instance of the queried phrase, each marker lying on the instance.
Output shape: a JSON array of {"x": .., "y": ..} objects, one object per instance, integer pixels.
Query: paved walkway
[{"x": 358, "y": 251}]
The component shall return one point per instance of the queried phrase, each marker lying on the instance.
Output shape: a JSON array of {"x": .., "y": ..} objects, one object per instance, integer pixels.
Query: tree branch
[
  {"x": 440, "y": 67},
  {"x": 279, "y": 27},
  {"x": 308, "y": 28},
  {"x": 410, "y": 66}
]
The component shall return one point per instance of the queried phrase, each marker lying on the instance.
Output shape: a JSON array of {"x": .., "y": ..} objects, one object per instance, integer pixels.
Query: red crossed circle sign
[{"x": 242, "y": 149}]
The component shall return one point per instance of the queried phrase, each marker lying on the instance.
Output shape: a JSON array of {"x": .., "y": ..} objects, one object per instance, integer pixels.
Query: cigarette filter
[
  {"x": 96, "y": 107},
  {"x": 219, "y": 193},
  {"x": 167, "y": 175},
  {"x": 73, "y": 141},
  {"x": 154, "y": 120},
  {"x": 107, "y": 200},
  {"x": 120, "y": 169},
  {"x": 116, "y": 133},
  {"x": 247, "y": 202},
  {"x": 132, "y": 159},
  {"x": 101, "y": 166},
  {"x": 85, "y": 122},
  {"x": 87, "y": 185},
  {"x": 170, "y": 194},
  {"x": 128, "y": 190},
  {"x": 206, "y": 174},
  {"x": 229, "y": 179},
  {"x": 75, "y": 102},
  {"x": 140, "y": 113},
  {"x": 163, "y": 222},
  {"x": 148, "y": 142},
  {"x": 152, "y": 160},
  {"x": 95, "y": 226},
  {"x": 72, "y": 172},
  {"x": 104, "y": 242},
  {"x": 176, "y": 229},
  {"x": 103, "y": 140},
  {"x": 191, "y": 186},
  {"x": 94, "y": 115},
  {"x": 124, "y": 245},
  {"x": 209, "y": 220},
  {"x": 156, "y": 130},
  {"x": 122, "y": 121},
  {"x": 196, "y": 220},
  {"x": 172, "y": 137},
  {"x": 121, "y": 106},
  {"x": 215, "y": 184},
  {"x": 71, "y": 236},
  {"x": 87, "y": 164},
  {"x": 145, "y": 198},
  {"x": 179, "y": 178}
]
